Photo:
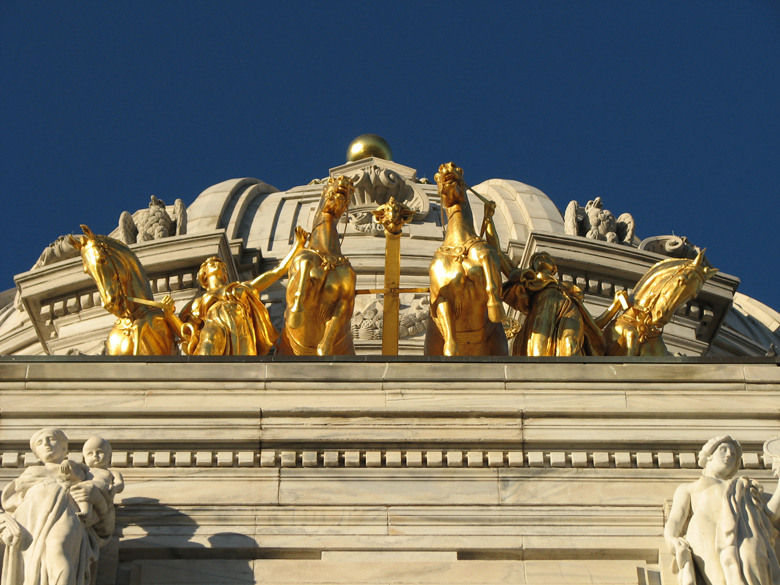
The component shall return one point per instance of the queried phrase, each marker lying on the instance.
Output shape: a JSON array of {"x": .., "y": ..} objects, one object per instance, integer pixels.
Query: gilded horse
[
  {"x": 321, "y": 288},
  {"x": 663, "y": 289},
  {"x": 466, "y": 308},
  {"x": 141, "y": 328}
]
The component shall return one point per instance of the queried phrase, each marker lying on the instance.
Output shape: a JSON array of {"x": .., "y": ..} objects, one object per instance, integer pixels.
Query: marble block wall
[{"x": 406, "y": 470}]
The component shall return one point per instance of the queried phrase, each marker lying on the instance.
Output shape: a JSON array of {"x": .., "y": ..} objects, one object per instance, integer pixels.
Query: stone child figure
[
  {"x": 97, "y": 457},
  {"x": 47, "y": 539},
  {"x": 720, "y": 527}
]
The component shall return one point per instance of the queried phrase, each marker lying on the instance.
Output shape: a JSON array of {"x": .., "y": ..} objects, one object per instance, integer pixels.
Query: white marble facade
[{"x": 392, "y": 471}]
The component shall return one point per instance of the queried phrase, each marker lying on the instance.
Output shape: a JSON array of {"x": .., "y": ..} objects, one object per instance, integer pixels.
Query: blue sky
[{"x": 667, "y": 110}]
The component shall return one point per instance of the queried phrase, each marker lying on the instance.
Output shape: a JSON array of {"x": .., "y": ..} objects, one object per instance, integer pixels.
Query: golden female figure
[
  {"x": 466, "y": 308},
  {"x": 321, "y": 290},
  {"x": 230, "y": 318}
]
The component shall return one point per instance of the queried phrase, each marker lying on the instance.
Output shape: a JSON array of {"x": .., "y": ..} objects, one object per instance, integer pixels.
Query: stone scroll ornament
[
  {"x": 321, "y": 290},
  {"x": 720, "y": 527},
  {"x": 57, "y": 515},
  {"x": 466, "y": 308}
]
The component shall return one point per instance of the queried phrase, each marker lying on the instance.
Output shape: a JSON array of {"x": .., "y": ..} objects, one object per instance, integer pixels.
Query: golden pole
[
  {"x": 391, "y": 303},
  {"x": 392, "y": 216}
]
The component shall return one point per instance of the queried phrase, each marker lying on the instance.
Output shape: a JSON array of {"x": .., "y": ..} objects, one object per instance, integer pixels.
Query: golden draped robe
[
  {"x": 554, "y": 309},
  {"x": 230, "y": 321}
]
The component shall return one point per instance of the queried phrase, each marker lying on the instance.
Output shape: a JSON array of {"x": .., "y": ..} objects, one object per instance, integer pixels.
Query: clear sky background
[{"x": 667, "y": 110}]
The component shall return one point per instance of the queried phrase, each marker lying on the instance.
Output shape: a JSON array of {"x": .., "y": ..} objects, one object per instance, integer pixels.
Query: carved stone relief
[
  {"x": 153, "y": 223},
  {"x": 596, "y": 223},
  {"x": 367, "y": 324}
]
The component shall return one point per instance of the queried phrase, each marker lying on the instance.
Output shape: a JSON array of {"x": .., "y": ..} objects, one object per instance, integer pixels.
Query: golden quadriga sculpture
[
  {"x": 230, "y": 318},
  {"x": 557, "y": 323},
  {"x": 663, "y": 289},
  {"x": 466, "y": 308},
  {"x": 141, "y": 327},
  {"x": 321, "y": 287}
]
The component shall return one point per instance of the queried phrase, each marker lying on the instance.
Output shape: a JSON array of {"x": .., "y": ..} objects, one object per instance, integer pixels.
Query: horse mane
[{"x": 655, "y": 280}]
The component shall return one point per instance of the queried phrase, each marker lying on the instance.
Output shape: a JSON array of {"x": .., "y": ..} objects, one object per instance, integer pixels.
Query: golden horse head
[
  {"x": 336, "y": 196},
  {"x": 670, "y": 284},
  {"x": 452, "y": 187},
  {"x": 115, "y": 269}
]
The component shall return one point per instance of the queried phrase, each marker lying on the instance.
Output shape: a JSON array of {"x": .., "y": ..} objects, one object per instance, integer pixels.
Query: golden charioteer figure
[
  {"x": 557, "y": 322},
  {"x": 230, "y": 318},
  {"x": 466, "y": 308},
  {"x": 321, "y": 288}
]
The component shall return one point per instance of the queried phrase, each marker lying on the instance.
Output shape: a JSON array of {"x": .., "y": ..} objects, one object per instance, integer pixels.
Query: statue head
[
  {"x": 49, "y": 445},
  {"x": 452, "y": 187},
  {"x": 721, "y": 457},
  {"x": 543, "y": 262},
  {"x": 336, "y": 195},
  {"x": 212, "y": 267},
  {"x": 101, "y": 259},
  {"x": 97, "y": 452}
]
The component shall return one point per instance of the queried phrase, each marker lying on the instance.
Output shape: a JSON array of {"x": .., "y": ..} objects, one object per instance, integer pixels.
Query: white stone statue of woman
[
  {"x": 46, "y": 541},
  {"x": 730, "y": 535}
]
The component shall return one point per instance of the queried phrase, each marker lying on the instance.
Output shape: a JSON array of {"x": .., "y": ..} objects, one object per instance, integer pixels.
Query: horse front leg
[
  {"x": 136, "y": 336},
  {"x": 334, "y": 326},
  {"x": 445, "y": 320},
  {"x": 495, "y": 306},
  {"x": 627, "y": 342},
  {"x": 303, "y": 268}
]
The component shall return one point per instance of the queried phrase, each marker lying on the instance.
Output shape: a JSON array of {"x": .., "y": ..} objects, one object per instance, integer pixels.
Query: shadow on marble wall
[{"x": 172, "y": 551}]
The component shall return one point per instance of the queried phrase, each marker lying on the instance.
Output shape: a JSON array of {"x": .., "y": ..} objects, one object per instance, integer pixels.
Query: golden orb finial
[{"x": 369, "y": 145}]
